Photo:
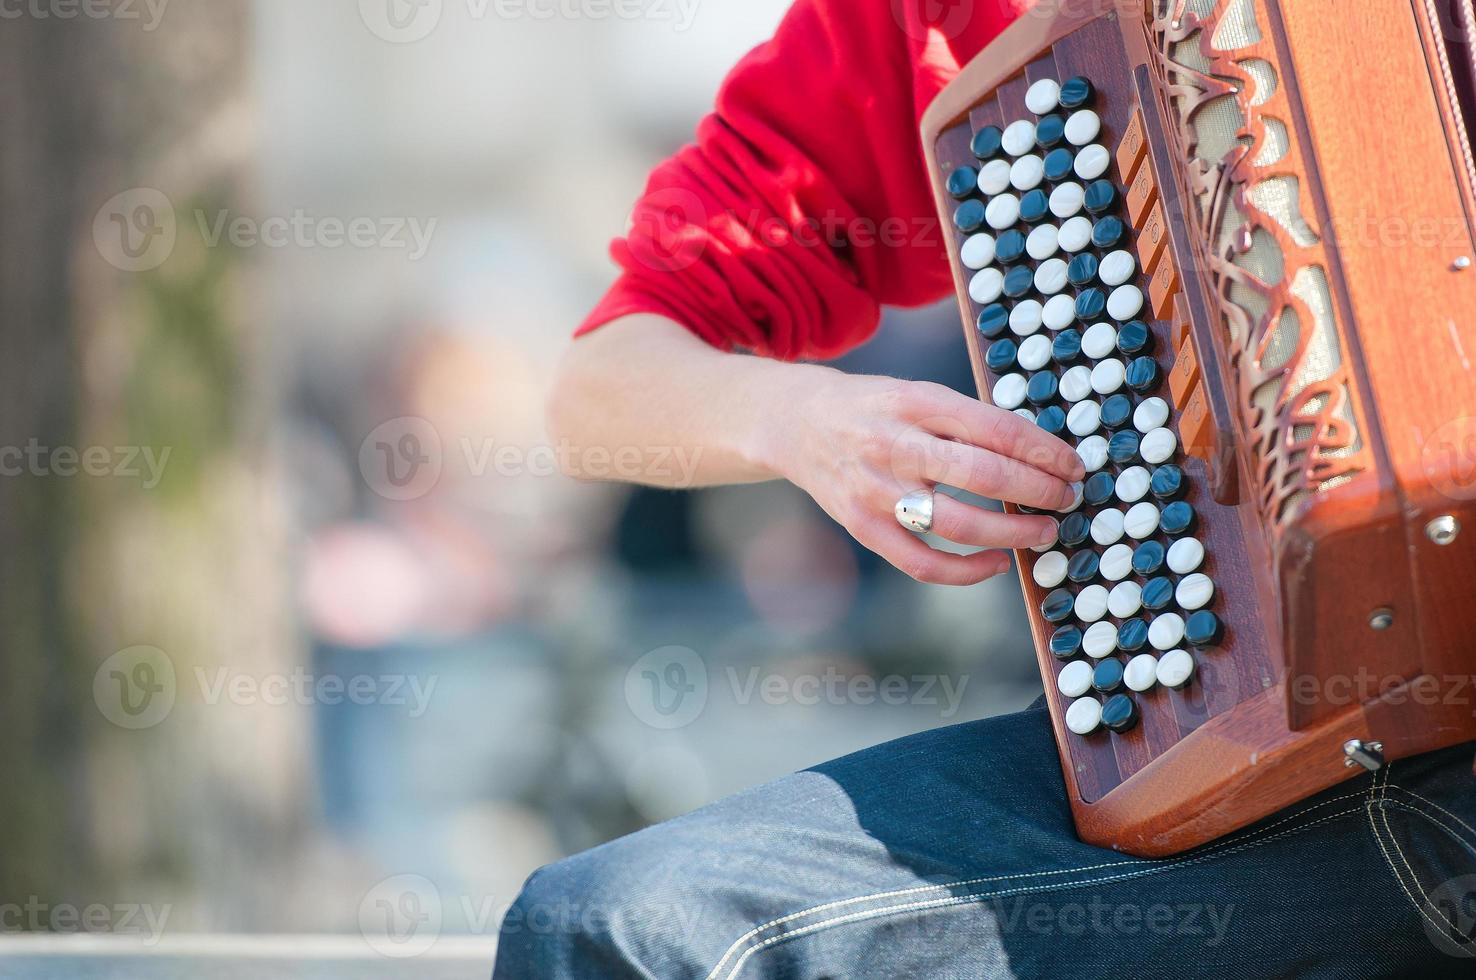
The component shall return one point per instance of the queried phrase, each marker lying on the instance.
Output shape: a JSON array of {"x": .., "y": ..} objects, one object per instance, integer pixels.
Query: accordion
[{"x": 1224, "y": 248}]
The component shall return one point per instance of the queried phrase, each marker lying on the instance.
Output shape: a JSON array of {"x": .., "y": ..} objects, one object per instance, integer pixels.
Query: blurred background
[{"x": 302, "y": 632}]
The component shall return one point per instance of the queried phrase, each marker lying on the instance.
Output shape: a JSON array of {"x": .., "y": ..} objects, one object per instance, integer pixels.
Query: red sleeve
[{"x": 803, "y": 205}]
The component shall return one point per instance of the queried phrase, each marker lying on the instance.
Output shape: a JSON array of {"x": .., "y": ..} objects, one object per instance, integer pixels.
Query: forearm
[{"x": 666, "y": 409}]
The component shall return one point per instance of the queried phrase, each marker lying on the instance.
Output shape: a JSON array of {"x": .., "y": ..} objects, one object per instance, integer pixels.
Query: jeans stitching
[
  {"x": 1409, "y": 792},
  {"x": 1449, "y": 830},
  {"x": 1382, "y": 788},
  {"x": 1247, "y": 844},
  {"x": 1213, "y": 849}
]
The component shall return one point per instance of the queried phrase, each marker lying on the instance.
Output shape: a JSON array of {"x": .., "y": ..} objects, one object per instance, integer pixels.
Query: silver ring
[{"x": 915, "y": 511}]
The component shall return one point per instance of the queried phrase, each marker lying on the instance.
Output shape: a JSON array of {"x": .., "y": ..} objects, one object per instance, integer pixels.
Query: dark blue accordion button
[
  {"x": 1119, "y": 714},
  {"x": 1107, "y": 678},
  {"x": 1009, "y": 247},
  {"x": 1177, "y": 519},
  {"x": 1158, "y": 593},
  {"x": 1077, "y": 92},
  {"x": 963, "y": 182},
  {"x": 1035, "y": 207},
  {"x": 1052, "y": 419},
  {"x": 1117, "y": 411},
  {"x": 1067, "y": 346},
  {"x": 1134, "y": 338},
  {"x": 1082, "y": 567},
  {"x": 1132, "y": 635},
  {"x": 969, "y": 217},
  {"x": 1066, "y": 642},
  {"x": 1059, "y": 164},
  {"x": 1075, "y": 529},
  {"x": 994, "y": 320},
  {"x": 1050, "y": 131},
  {"x": 988, "y": 142},
  {"x": 1204, "y": 629},
  {"x": 1122, "y": 448},
  {"x": 1001, "y": 355},
  {"x": 1108, "y": 231},
  {"x": 1101, "y": 196},
  {"x": 1099, "y": 489},
  {"x": 1090, "y": 304},
  {"x": 1082, "y": 269},
  {"x": 1057, "y": 606},
  {"x": 1042, "y": 388},
  {"x": 1168, "y": 481},
  {"x": 1148, "y": 558},
  {"x": 1018, "y": 281},
  {"x": 1142, "y": 374}
]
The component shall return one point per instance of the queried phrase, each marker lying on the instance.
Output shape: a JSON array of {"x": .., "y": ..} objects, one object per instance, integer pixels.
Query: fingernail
[
  {"x": 1049, "y": 535},
  {"x": 1072, "y": 496}
]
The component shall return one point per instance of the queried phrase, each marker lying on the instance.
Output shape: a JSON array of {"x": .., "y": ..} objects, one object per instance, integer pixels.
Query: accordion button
[
  {"x": 1167, "y": 482},
  {"x": 1141, "y": 672},
  {"x": 1067, "y": 199},
  {"x": 1075, "y": 679},
  {"x": 1083, "y": 418},
  {"x": 1092, "y": 162},
  {"x": 1107, "y": 678},
  {"x": 1025, "y": 414},
  {"x": 1010, "y": 247},
  {"x": 1132, "y": 636},
  {"x": 986, "y": 285},
  {"x": 1027, "y": 173},
  {"x": 1066, "y": 347},
  {"x": 1002, "y": 212},
  {"x": 1059, "y": 164},
  {"x": 1066, "y": 642},
  {"x": 1141, "y": 520},
  {"x": 1116, "y": 563},
  {"x": 994, "y": 177},
  {"x": 1076, "y": 234},
  {"x": 1142, "y": 373},
  {"x": 1099, "y": 341},
  {"x": 1119, "y": 714},
  {"x": 1093, "y": 453},
  {"x": 1204, "y": 629},
  {"x": 1083, "y": 127},
  {"x": 993, "y": 319},
  {"x": 1042, "y": 389},
  {"x": 1178, "y": 519},
  {"x": 1076, "y": 383},
  {"x": 1018, "y": 280},
  {"x": 1050, "y": 277},
  {"x": 1009, "y": 392},
  {"x": 977, "y": 251},
  {"x": 1034, "y": 207},
  {"x": 1159, "y": 445},
  {"x": 1043, "y": 96},
  {"x": 1098, "y": 489},
  {"x": 1049, "y": 132},
  {"x": 1122, "y": 448},
  {"x": 1131, "y": 487},
  {"x": 1125, "y": 599},
  {"x": 1083, "y": 567},
  {"x": 1108, "y": 376},
  {"x": 987, "y": 142},
  {"x": 1107, "y": 526},
  {"x": 1166, "y": 631},
  {"x": 1158, "y": 593},
  {"x": 1100, "y": 197},
  {"x": 1135, "y": 339},
  {"x": 1019, "y": 137},
  {"x": 1084, "y": 716},
  {"x": 1083, "y": 269},
  {"x": 1042, "y": 243},
  {"x": 1185, "y": 555},
  {"x": 1148, "y": 559},
  {"x": 1116, "y": 411},
  {"x": 1001, "y": 355},
  {"x": 1125, "y": 303},
  {"x": 1100, "y": 639},
  {"x": 1074, "y": 530},
  {"x": 1151, "y": 413},
  {"x": 1035, "y": 352},
  {"x": 1052, "y": 419},
  {"x": 1060, "y": 310},
  {"x": 1108, "y": 231},
  {"x": 1089, "y": 304},
  {"x": 1049, "y": 570},
  {"x": 1195, "y": 591},
  {"x": 1076, "y": 92},
  {"x": 1118, "y": 267},
  {"x": 969, "y": 217},
  {"x": 962, "y": 182},
  {"x": 1057, "y": 606},
  {"x": 1026, "y": 317},
  {"x": 1175, "y": 668}
]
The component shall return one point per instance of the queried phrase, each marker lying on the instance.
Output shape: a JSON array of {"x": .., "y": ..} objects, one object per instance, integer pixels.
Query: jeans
[{"x": 951, "y": 854}]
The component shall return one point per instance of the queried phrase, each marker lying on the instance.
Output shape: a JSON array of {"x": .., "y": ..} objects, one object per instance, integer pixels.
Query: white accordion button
[
  {"x": 1025, "y": 413},
  {"x": 1107, "y": 525},
  {"x": 1185, "y": 555},
  {"x": 1107, "y": 376},
  {"x": 1175, "y": 668},
  {"x": 1025, "y": 318},
  {"x": 994, "y": 177},
  {"x": 1075, "y": 679},
  {"x": 1125, "y": 301},
  {"x": 1009, "y": 391},
  {"x": 1049, "y": 570},
  {"x": 1035, "y": 352},
  {"x": 977, "y": 251},
  {"x": 1100, "y": 639},
  {"x": 1195, "y": 591},
  {"x": 1042, "y": 242},
  {"x": 1082, "y": 127},
  {"x": 1043, "y": 96},
  {"x": 1078, "y": 491},
  {"x": 1141, "y": 520},
  {"x": 1099, "y": 341},
  {"x": 1067, "y": 199},
  {"x": 1092, "y": 162},
  {"x": 1018, "y": 137},
  {"x": 1117, "y": 268},
  {"x": 1084, "y": 715},
  {"x": 1002, "y": 212},
  {"x": 1159, "y": 445},
  {"x": 1125, "y": 599},
  {"x": 986, "y": 286},
  {"x": 1050, "y": 277},
  {"x": 1027, "y": 173},
  {"x": 1076, "y": 383},
  {"x": 1132, "y": 484},
  {"x": 1091, "y": 605},
  {"x": 1166, "y": 631},
  {"x": 1093, "y": 453},
  {"x": 1151, "y": 413},
  {"x": 1141, "y": 672},
  {"x": 1076, "y": 234},
  {"x": 1116, "y": 565},
  {"x": 1084, "y": 418},
  {"x": 1059, "y": 312}
]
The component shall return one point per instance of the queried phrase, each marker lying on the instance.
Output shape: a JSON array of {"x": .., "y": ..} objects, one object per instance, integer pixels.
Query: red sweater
[{"x": 803, "y": 205}]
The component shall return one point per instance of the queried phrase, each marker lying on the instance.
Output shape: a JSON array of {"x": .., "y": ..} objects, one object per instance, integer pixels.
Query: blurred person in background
[{"x": 800, "y": 210}]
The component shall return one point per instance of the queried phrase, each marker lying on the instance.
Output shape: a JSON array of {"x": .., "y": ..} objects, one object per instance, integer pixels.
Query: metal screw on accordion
[
  {"x": 1381, "y": 618},
  {"x": 1369, "y": 755},
  {"x": 1462, "y": 263},
  {"x": 1443, "y": 530}
]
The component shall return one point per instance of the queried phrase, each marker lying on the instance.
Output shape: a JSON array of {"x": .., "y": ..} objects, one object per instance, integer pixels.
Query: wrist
[{"x": 780, "y": 403}]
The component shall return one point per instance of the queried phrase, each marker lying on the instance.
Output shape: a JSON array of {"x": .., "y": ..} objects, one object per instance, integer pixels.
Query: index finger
[{"x": 956, "y": 416}]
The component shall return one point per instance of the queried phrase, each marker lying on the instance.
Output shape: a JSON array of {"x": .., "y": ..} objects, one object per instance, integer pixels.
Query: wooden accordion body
[{"x": 1304, "y": 198}]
